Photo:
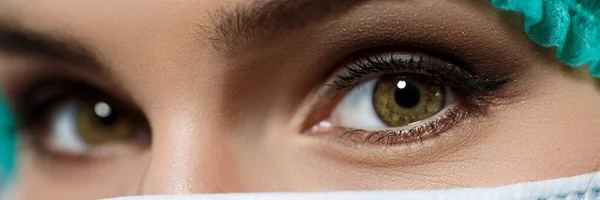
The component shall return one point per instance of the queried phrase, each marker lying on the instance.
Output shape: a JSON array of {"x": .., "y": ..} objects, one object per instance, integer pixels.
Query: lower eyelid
[{"x": 434, "y": 126}]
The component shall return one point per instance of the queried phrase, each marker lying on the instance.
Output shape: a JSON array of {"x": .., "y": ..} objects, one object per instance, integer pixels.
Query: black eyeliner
[{"x": 457, "y": 78}]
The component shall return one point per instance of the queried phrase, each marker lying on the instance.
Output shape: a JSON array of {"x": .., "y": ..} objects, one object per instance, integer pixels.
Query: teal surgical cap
[
  {"x": 7, "y": 142},
  {"x": 572, "y": 26}
]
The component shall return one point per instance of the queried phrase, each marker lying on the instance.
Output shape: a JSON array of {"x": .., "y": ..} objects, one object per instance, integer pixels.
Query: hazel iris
[
  {"x": 98, "y": 123},
  {"x": 402, "y": 99}
]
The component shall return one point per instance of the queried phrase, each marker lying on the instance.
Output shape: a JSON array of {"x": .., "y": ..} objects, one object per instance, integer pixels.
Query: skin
[{"x": 230, "y": 120}]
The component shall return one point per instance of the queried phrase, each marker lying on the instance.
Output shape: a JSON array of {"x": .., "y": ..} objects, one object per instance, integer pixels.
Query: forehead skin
[{"x": 225, "y": 121}]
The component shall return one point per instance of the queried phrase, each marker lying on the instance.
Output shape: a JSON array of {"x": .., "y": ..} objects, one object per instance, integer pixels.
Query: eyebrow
[
  {"x": 19, "y": 40},
  {"x": 266, "y": 20}
]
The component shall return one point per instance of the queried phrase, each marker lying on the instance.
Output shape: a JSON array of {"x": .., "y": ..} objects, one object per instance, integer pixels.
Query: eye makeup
[
  {"x": 456, "y": 77},
  {"x": 475, "y": 93}
]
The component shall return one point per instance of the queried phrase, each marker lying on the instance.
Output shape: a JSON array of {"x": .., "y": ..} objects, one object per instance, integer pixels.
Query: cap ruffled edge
[{"x": 572, "y": 26}]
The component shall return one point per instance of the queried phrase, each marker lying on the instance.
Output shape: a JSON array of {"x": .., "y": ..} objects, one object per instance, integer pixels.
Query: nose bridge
[{"x": 188, "y": 158}]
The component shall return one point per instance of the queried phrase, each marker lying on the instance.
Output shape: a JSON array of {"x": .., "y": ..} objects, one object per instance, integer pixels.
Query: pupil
[
  {"x": 407, "y": 95},
  {"x": 109, "y": 120},
  {"x": 105, "y": 114}
]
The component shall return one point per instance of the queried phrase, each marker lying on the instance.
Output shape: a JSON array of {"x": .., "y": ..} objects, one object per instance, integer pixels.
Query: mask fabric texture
[
  {"x": 583, "y": 187},
  {"x": 573, "y": 26}
]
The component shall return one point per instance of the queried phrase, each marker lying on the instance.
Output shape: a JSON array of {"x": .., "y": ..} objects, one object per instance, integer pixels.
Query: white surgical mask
[{"x": 583, "y": 187}]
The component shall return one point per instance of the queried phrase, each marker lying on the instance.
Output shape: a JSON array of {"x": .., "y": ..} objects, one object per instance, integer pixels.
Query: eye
[
  {"x": 399, "y": 97},
  {"x": 79, "y": 125},
  {"x": 394, "y": 100},
  {"x": 81, "y": 121}
]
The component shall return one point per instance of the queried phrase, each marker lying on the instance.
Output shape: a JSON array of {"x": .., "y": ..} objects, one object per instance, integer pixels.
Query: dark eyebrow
[
  {"x": 18, "y": 40},
  {"x": 256, "y": 22}
]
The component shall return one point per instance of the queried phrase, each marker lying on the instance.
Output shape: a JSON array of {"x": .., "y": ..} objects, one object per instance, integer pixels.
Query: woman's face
[{"x": 118, "y": 98}]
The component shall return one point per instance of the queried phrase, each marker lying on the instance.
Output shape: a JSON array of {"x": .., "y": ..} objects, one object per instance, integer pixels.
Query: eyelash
[
  {"x": 441, "y": 71},
  {"x": 444, "y": 122},
  {"x": 35, "y": 102},
  {"x": 475, "y": 93}
]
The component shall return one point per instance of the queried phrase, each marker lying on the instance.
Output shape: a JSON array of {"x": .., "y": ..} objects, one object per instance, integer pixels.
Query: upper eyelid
[
  {"x": 59, "y": 57},
  {"x": 397, "y": 61},
  {"x": 27, "y": 106},
  {"x": 57, "y": 49},
  {"x": 39, "y": 72}
]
